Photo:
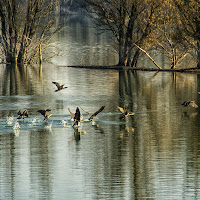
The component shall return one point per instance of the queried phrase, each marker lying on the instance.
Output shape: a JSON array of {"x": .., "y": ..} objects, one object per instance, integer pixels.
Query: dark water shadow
[{"x": 20, "y": 80}]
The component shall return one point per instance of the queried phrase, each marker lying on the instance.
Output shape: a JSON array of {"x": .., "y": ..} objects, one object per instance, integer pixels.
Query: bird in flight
[
  {"x": 92, "y": 116},
  {"x": 22, "y": 114},
  {"x": 45, "y": 113},
  {"x": 59, "y": 87},
  {"x": 96, "y": 113},
  {"x": 77, "y": 117},
  {"x": 124, "y": 112},
  {"x": 190, "y": 103}
]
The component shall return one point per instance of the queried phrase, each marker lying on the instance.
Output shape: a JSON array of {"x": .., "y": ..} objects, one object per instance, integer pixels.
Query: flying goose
[
  {"x": 22, "y": 114},
  {"x": 77, "y": 117},
  {"x": 59, "y": 87},
  {"x": 190, "y": 103},
  {"x": 94, "y": 114},
  {"x": 45, "y": 113},
  {"x": 124, "y": 112},
  {"x": 73, "y": 115}
]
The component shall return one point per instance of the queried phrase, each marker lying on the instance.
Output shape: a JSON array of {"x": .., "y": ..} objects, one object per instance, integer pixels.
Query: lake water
[{"x": 154, "y": 154}]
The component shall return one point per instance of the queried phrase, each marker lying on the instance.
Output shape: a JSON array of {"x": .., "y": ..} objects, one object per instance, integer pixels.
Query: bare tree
[
  {"x": 190, "y": 23},
  {"x": 131, "y": 22},
  {"x": 24, "y": 26}
]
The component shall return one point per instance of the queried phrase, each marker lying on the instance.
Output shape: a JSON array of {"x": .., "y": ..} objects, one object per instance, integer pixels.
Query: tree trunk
[
  {"x": 135, "y": 58},
  {"x": 121, "y": 34},
  {"x": 198, "y": 54},
  {"x": 128, "y": 36}
]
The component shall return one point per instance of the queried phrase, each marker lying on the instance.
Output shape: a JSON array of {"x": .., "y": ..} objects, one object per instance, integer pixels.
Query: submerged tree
[
  {"x": 24, "y": 26},
  {"x": 190, "y": 23},
  {"x": 131, "y": 22},
  {"x": 168, "y": 35}
]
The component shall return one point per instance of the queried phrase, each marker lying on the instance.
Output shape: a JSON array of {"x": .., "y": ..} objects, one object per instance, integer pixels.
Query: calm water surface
[{"x": 152, "y": 155}]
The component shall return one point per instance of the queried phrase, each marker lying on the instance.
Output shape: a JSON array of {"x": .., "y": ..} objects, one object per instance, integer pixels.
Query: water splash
[
  {"x": 48, "y": 127},
  {"x": 16, "y": 126},
  {"x": 10, "y": 120},
  {"x": 93, "y": 123},
  {"x": 64, "y": 123},
  {"x": 34, "y": 121},
  {"x": 16, "y": 132}
]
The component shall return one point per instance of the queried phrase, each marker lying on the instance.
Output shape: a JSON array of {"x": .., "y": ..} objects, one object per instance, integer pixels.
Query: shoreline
[{"x": 113, "y": 67}]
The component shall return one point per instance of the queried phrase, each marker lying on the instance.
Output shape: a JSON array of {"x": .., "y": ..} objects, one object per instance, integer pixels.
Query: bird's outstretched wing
[
  {"x": 57, "y": 84},
  {"x": 42, "y": 112},
  {"x": 71, "y": 113},
  {"x": 86, "y": 111},
  {"x": 25, "y": 113},
  {"x": 19, "y": 112},
  {"x": 96, "y": 113},
  {"x": 121, "y": 109}
]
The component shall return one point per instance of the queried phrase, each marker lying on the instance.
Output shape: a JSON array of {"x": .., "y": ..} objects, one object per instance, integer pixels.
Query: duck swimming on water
[
  {"x": 124, "y": 112},
  {"x": 45, "y": 113},
  {"x": 59, "y": 87}
]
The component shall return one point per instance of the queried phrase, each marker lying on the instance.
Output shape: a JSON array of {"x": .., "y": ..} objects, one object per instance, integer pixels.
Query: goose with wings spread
[
  {"x": 94, "y": 114},
  {"x": 59, "y": 87},
  {"x": 45, "y": 113},
  {"x": 190, "y": 103},
  {"x": 77, "y": 117},
  {"x": 124, "y": 112},
  {"x": 21, "y": 114}
]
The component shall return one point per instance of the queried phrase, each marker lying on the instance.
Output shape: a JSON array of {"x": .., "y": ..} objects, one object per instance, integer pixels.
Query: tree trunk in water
[
  {"x": 120, "y": 62},
  {"x": 198, "y": 54},
  {"x": 135, "y": 58}
]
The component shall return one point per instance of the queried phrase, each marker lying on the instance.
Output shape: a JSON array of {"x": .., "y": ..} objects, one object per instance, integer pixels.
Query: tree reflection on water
[{"x": 20, "y": 80}]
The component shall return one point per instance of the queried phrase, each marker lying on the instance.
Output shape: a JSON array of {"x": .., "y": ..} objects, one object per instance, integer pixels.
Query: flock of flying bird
[{"x": 76, "y": 117}]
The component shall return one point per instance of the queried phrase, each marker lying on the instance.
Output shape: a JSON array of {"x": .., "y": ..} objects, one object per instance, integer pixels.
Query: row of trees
[
  {"x": 25, "y": 25},
  {"x": 172, "y": 26}
]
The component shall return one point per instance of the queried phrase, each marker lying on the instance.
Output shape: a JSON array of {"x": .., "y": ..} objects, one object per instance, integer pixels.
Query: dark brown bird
[
  {"x": 22, "y": 114},
  {"x": 45, "y": 113},
  {"x": 190, "y": 103},
  {"x": 59, "y": 87},
  {"x": 96, "y": 113},
  {"x": 77, "y": 117},
  {"x": 124, "y": 112}
]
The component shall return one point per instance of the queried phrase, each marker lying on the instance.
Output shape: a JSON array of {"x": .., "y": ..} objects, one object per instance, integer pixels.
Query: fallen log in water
[{"x": 115, "y": 67}]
